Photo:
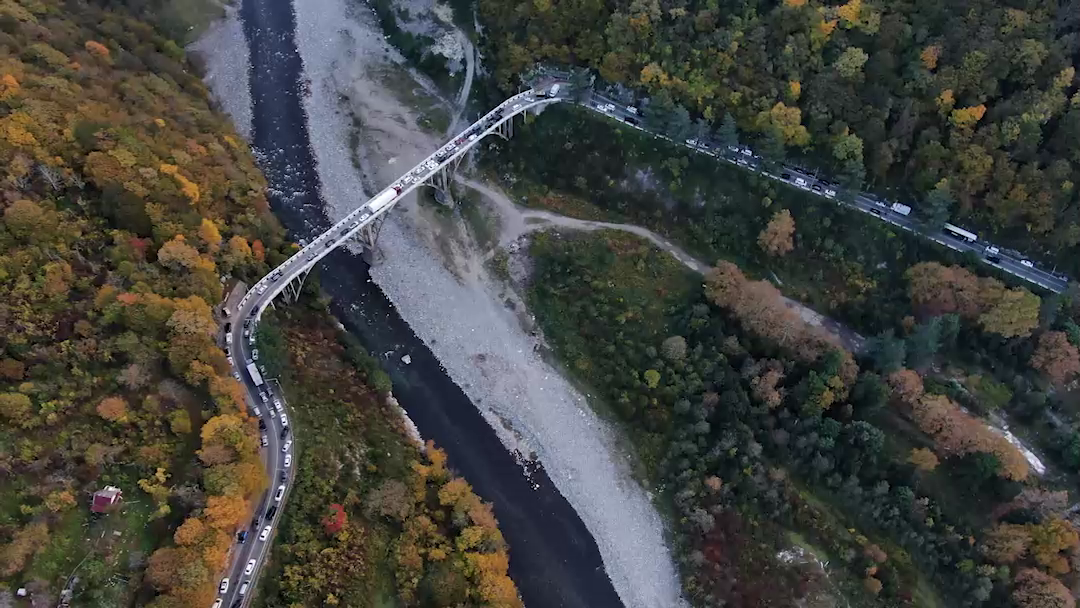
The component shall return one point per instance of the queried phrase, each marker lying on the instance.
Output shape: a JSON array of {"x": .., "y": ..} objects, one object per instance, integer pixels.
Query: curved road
[{"x": 244, "y": 322}]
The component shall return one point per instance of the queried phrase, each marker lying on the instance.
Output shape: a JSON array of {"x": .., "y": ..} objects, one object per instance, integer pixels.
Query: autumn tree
[
  {"x": 26, "y": 542},
  {"x": 113, "y": 409},
  {"x": 16, "y": 407},
  {"x": 923, "y": 459},
  {"x": 1056, "y": 358},
  {"x": 776, "y": 239},
  {"x": 1033, "y": 589}
]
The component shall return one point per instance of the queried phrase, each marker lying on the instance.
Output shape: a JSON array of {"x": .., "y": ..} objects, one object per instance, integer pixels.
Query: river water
[{"x": 553, "y": 558}]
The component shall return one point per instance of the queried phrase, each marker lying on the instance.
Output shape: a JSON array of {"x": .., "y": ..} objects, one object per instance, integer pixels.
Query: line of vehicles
[
  {"x": 744, "y": 156},
  {"x": 263, "y": 522}
]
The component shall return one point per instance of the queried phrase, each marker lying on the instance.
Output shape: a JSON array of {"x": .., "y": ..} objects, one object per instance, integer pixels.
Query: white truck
[
  {"x": 900, "y": 208},
  {"x": 256, "y": 377}
]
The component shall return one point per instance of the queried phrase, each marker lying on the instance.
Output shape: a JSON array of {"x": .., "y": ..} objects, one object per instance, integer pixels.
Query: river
[{"x": 553, "y": 559}]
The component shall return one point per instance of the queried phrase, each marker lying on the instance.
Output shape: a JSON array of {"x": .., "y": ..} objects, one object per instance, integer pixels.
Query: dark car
[
  {"x": 875, "y": 212},
  {"x": 241, "y": 536},
  {"x": 630, "y": 120},
  {"x": 284, "y": 431},
  {"x": 228, "y": 326},
  {"x": 283, "y": 476},
  {"x": 262, "y": 424},
  {"x": 255, "y": 522},
  {"x": 816, "y": 188},
  {"x": 270, "y": 512},
  {"x": 785, "y": 176},
  {"x": 996, "y": 259}
]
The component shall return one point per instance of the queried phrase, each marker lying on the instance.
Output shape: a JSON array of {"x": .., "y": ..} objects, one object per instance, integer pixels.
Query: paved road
[
  {"x": 240, "y": 349},
  {"x": 244, "y": 322},
  {"x": 742, "y": 156}
]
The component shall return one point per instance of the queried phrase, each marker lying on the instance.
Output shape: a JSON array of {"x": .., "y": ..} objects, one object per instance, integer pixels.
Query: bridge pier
[
  {"x": 369, "y": 239},
  {"x": 295, "y": 286}
]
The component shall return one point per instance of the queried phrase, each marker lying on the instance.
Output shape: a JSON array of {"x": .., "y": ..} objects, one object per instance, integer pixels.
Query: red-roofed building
[{"x": 105, "y": 499}]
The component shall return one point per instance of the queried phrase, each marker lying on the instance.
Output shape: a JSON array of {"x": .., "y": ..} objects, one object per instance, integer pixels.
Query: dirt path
[
  {"x": 516, "y": 221},
  {"x": 466, "y": 88}
]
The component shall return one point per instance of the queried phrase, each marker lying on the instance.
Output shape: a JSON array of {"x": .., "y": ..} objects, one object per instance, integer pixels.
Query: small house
[{"x": 104, "y": 499}]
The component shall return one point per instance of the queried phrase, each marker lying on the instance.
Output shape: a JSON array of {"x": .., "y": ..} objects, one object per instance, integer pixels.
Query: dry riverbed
[{"x": 365, "y": 132}]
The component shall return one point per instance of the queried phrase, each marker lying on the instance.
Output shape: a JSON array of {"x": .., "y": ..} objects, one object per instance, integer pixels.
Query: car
[
  {"x": 284, "y": 419},
  {"x": 255, "y": 410},
  {"x": 280, "y": 493},
  {"x": 247, "y": 322},
  {"x": 244, "y": 588},
  {"x": 228, "y": 327},
  {"x": 224, "y": 586},
  {"x": 247, "y": 332},
  {"x": 288, "y": 460},
  {"x": 255, "y": 355},
  {"x": 830, "y": 193},
  {"x": 875, "y": 212},
  {"x": 277, "y": 404},
  {"x": 271, "y": 511},
  {"x": 283, "y": 476},
  {"x": 230, "y": 360},
  {"x": 228, "y": 339},
  {"x": 286, "y": 446},
  {"x": 991, "y": 250},
  {"x": 265, "y": 440},
  {"x": 691, "y": 142},
  {"x": 217, "y": 603},
  {"x": 265, "y": 534},
  {"x": 226, "y": 351},
  {"x": 284, "y": 431},
  {"x": 785, "y": 176},
  {"x": 631, "y": 109},
  {"x": 261, "y": 290},
  {"x": 236, "y": 375},
  {"x": 250, "y": 567},
  {"x": 817, "y": 188},
  {"x": 264, "y": 396},
  {"x": 251, "y": 340},
  {"x": 993, "y": 259},
  {"x": 262, "y": 424},
  {"x": 241, "y": 536},
  {"x": 1027, "y": 263}
]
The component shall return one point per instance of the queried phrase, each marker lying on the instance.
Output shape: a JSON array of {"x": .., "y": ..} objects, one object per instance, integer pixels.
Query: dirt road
[{"x": 516, "y": 221}]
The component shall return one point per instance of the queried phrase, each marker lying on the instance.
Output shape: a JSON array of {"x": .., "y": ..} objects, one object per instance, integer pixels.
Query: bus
[
  {"x": 960, "y": 233},
  {"x": 256, "y": 377}
]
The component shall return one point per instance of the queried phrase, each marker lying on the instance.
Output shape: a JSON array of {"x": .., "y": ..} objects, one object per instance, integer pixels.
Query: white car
[
  {"x": 262, "y": 289},
  {"x": 264, "y": 396},
  {"x": 236, "y": 375},
  {"x": 632, "y": 110},
  {"x": 279, "y": 495},
  {"x": 244, "y": 588},
  {"x": 217, "y": 603},
  {"x": 1027, "y": 263},
  {"x": 224, "y": 585},
  {"x": 230, "y": 360},
  {"x": 991, "y": 250},
  {"x": 255, "y": 409},
  {"x": 277, "y": 405},
  {"x": 830, "y": 193},
  {"x": 288, "y": 460},
  {"x": 265, "y": 440},
  {"x": 284, "y": 419},
  {"x": 255, "y": 355},
  {"x": 265, "y": 534},
  {"x": 250, "y": 567},
  {"x": 288, "y": 444}
]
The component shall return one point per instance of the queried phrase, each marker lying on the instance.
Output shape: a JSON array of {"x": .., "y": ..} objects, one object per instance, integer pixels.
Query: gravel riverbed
[{"x": 450, "y": 302}]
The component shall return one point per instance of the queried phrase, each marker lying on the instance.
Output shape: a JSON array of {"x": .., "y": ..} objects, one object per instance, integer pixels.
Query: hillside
[
  {"x": 125, "y": 198},
  {"x": 969, "y": 108}
]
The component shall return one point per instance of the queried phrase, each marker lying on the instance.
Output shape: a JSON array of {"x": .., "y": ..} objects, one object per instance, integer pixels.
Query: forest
[
  {"x": 762, "y": 432},
  {"x": 126, "y": 200},
  {"x": 967, "y": 109},
  {"x": 374, "y": 520}
]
